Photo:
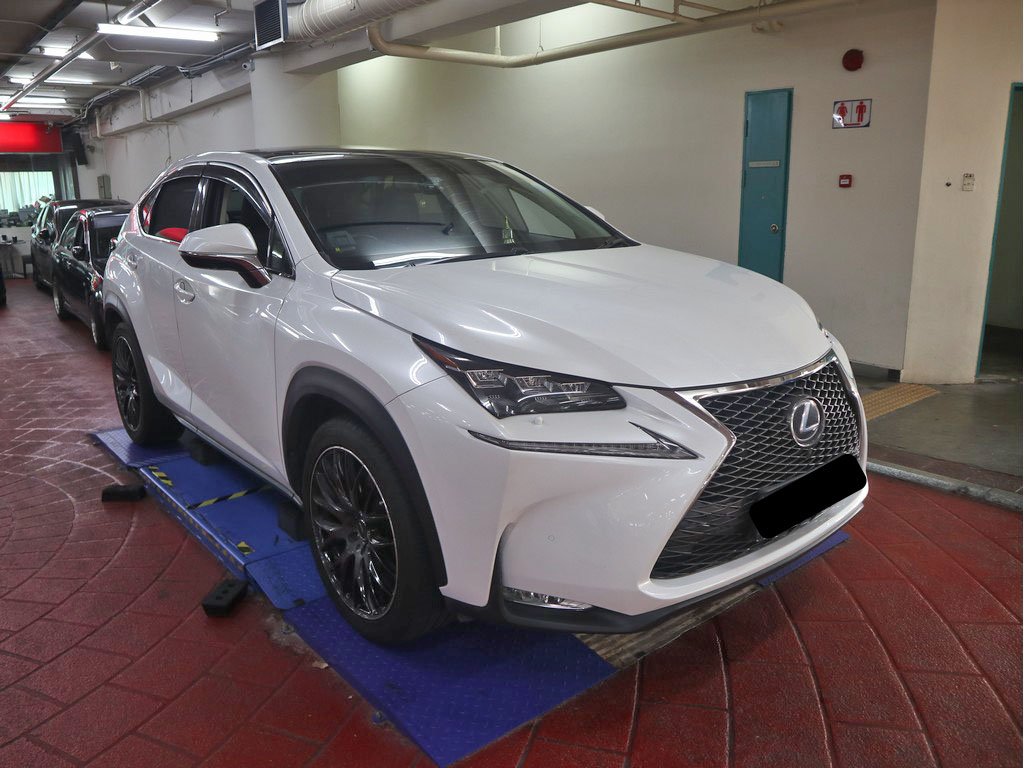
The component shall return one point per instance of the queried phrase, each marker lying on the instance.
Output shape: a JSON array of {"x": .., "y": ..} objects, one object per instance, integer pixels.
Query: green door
[{"x": 765, "y": 180}]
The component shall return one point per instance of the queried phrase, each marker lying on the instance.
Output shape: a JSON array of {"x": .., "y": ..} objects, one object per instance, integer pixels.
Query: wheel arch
[{"x": 316, "y": 394}]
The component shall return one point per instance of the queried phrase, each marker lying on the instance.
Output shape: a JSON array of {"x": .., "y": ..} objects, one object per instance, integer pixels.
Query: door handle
[
  {"x": 774, "y": 228},
  {"x": 184, "y": 292}
]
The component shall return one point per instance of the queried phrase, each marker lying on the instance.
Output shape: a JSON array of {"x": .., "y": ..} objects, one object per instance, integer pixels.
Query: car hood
[{"x": 641, "y": 315}]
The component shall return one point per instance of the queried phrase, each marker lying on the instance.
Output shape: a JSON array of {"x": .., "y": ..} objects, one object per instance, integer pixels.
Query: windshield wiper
[{"x": 615, "y": 242}]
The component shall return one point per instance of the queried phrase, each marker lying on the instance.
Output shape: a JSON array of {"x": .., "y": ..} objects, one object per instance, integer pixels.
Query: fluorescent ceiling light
[
  {"x": 162, "y": 33},
  {"x": 56, "y": 80},
  {"x": 60, "y": 53},
  {"x": 39, "y": 101}
]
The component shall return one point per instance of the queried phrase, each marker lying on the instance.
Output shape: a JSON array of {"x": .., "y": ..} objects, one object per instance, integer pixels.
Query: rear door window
[{"x": 171, "y": 214}]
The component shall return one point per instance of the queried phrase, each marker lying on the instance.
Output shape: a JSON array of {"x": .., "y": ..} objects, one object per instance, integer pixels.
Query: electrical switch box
[{"x": 968, "y": 183}]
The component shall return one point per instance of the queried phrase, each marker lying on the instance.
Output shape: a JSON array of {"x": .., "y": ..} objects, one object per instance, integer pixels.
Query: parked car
[
  {"x": 487, "y": 399},
  {"x": 50, "y": 223},
  {"x": 79, "y": 258}
]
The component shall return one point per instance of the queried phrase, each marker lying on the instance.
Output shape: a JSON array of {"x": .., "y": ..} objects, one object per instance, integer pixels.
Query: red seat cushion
[{"x": 177, "y": 234}]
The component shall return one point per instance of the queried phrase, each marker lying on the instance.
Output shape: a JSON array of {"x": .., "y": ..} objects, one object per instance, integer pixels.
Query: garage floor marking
[{"x": 893, "y": 398}]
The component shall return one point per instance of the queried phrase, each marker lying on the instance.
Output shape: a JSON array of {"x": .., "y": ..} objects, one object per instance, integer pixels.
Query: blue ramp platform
[{"x": 453, "y": 692}]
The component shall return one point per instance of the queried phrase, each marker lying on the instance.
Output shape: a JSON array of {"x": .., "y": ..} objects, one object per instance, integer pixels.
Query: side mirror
[
  {"x": 225, "y": 246},
  {"x": 45, "y": 236},
  {"x": 596, "y": 212},
  {"x": 78, "y": 251}
]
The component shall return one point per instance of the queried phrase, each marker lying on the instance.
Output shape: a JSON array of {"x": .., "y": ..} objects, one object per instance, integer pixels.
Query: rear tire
[
  {"x": 99, "y": 333},
  {"x": 146, "y": 421},
  {"x": 365, "y": 537},
  {"x": 58, "y": 305}
]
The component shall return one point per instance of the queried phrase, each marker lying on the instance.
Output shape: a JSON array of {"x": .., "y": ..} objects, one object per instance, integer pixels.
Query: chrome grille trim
[{"x": 762, "y": 455}]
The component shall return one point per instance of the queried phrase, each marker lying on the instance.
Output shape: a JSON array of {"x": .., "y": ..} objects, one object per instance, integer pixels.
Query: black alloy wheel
[
  {"x": 353, "y": 534},
  {"x": 366, "y": 537},
  {"x": 126, "y": 385},
  {"x": 99, "y": 338},
  {"x": 58, "y": 305},
  {"x": 146, "y": 420}
]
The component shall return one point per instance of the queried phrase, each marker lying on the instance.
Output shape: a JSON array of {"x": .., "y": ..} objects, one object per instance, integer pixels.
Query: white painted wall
[
  {"x": 134, "y": 158},
  {"x": 653, "y": 136},
  {"x": 976, "y": 58}
]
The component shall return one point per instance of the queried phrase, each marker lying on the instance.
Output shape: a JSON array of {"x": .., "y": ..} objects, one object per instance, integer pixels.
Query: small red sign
[
  {"x": 845, "y": 180},
  {"x": 29, "y": 137}
]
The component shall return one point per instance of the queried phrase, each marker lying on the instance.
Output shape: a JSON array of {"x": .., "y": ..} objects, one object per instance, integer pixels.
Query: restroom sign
[{"x": 852, "y": 113}]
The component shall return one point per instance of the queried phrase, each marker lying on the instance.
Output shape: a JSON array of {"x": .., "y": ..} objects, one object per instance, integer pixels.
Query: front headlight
[{"x": 508, "y": 390}]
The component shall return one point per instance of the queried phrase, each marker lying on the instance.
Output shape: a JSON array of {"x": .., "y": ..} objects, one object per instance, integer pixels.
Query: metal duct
[{"x": 316, "y": 19}]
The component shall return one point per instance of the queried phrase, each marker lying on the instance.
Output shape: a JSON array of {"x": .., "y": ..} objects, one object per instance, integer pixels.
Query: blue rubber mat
[
  {"x": 834, "y": 540},
  {"x": 288, "y": 579},
  {"x": 131, "y": 455},
  {"x": 460, "y": 688},
  {"x": 194, "y": 484}
]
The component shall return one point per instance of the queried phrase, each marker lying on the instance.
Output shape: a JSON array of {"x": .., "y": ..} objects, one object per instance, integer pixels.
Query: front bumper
[{"x": 585, "y": 528}]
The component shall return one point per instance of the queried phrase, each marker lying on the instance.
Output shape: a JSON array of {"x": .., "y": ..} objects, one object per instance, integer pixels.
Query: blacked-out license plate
[{"x": 806, "y": 497}]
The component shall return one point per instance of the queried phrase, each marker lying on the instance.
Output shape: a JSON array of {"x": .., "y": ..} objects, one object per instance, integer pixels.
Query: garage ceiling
[
  {"x": 31, "y": 32},
  {"x": 34, "y": 33}
]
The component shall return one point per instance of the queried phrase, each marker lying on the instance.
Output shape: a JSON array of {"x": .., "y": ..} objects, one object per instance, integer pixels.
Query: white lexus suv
[{"x": 487, "y": 400}]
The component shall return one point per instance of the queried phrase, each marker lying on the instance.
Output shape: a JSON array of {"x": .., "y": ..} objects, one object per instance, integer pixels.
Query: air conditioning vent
[{"x": 271, "y": 17}]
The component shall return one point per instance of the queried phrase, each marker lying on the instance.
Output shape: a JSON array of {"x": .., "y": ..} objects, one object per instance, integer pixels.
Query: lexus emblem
[{"x": 806, "y": 421}]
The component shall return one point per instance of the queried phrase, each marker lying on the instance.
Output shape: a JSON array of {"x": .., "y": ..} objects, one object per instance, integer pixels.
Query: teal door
[{"x": 765, "y": 180}]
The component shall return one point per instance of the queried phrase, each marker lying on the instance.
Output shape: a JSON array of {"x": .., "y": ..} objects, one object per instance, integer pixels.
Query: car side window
[
  {"x": 80, "y": 233},
  {"x": 70, "y": 231},
  {"x": 228, "y": 203},
  {"x": 171, "y": 213}
]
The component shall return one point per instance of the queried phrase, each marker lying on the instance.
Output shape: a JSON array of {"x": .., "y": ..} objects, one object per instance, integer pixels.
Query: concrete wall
[
  {"x": 976, "y": 58},
  {"x": 653, "y": 137},
  {"x": 1004, "y": 293}
]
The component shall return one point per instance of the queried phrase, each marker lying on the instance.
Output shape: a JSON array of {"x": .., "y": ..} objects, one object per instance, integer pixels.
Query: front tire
[
  {"x": 37, "y": 278},
  {"x": 146, "y": 421},
  {"x": 365, "y": 538}
]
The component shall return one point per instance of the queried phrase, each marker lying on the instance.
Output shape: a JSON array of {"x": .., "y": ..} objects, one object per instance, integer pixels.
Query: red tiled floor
[
  {"x": 900, "y": 648},
  {"x": 72, "y": 675},
  {"x": 96, "y": 722}
]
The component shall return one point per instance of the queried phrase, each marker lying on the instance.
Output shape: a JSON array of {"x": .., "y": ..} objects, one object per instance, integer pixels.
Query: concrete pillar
[
  {"x": 976, "y": 57},
  {"x": 293, "y": 110}
]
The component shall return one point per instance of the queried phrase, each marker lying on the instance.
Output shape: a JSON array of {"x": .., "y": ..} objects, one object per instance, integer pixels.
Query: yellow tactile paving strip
[{"x": 893, "y": 398}]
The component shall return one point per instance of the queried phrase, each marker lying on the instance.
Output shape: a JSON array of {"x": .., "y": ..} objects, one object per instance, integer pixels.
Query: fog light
[{"x": 543, "y": 601}]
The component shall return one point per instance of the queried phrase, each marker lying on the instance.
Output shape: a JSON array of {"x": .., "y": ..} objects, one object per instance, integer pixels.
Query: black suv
[{"x": 52, "y": 219}]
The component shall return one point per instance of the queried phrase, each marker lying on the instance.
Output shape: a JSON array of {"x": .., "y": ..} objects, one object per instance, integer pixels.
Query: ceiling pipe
[
  {"x": 52, "y": 69},
  {"x": 317, "y": 19},
  {"x": 632, "y": 8},
  {"x": 132, "y": 12},
  {"x": 83, "y": 45},
  {"x": 665, "y": 32}
]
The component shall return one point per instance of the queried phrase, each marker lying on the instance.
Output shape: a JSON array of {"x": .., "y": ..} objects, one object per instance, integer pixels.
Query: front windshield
[{"x": 371, "y": 211}]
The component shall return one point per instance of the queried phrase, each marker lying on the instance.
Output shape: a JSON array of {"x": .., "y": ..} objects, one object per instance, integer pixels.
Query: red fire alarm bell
[
  {"x": 853, "y": 59},
  {"x": 845, "y": 180}
]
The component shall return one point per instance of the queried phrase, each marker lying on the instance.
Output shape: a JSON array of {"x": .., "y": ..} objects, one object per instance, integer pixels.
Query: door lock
[{"x": 774, "y": 228}]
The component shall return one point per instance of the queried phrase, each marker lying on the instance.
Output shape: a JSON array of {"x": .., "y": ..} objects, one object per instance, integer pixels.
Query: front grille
[{"x": 717, "y": 528}]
